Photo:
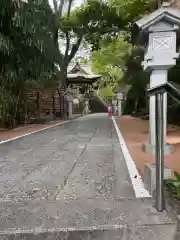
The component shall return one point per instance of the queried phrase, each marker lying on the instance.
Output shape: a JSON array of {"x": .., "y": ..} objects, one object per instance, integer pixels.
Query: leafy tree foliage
[
  {"x": 119, "y": 56},
  {"x": 31, "y": 50},
  {"x": 27, "y": 53},
  {"x": 90, "y": 22},
  {"x": 109, "y": 60}
]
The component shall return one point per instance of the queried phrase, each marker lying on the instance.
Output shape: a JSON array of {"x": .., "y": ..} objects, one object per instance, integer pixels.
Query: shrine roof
[{"x": 82, "y": 72}]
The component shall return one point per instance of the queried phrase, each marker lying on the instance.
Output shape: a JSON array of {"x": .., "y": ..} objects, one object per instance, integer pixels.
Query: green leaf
[
  {"x": 177, "y": 175},
  {"x": 176, "y": 195},
  {"x": 169, "y": 181},
  {"x": 176, "y": 184}
]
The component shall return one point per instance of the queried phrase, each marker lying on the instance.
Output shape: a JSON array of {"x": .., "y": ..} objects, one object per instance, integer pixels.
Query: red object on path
[{"x": 109, "y": 111}]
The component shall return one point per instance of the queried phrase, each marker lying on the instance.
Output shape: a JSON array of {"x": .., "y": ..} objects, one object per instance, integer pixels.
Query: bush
[{"x": 174, "y": 185}]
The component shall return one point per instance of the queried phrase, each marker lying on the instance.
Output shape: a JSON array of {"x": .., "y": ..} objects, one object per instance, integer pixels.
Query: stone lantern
[
  {"x": 121, "y": 94},
  {"x": 120, "y": 98},
  {"x": 86, "y": 102},
  {"x": 69, "y": 98},
  {"x": 158, "y": 31}
]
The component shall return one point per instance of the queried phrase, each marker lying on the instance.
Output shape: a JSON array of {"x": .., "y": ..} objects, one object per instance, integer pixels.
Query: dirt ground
[
  {"x": 135, "y": 133},
  {"x": 19, "y": 131}
]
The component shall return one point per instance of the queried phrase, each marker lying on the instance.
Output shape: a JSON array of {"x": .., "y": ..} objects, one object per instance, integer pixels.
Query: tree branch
[
  {"x": 67, "y": 46},
  {"x": 74, "y": 49},
  {"x": 67, "y": 34},
  {"x": 69, "y": 7},
  {"x": 55, "y": 6},
  {"x": 59, "y": 12}
]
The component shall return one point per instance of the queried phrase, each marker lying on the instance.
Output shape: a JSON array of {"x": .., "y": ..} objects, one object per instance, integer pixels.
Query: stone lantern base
[
  {"x": 150, "y": 149},
  {"x": 150, "y": 169},
  {"x": 150, "y": 177}
]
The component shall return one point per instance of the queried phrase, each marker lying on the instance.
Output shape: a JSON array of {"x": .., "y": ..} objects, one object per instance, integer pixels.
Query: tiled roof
[
  {"x": 86, "y": 68},
  {"x": 172, "y": 14},
  {"x": 76, "y": 70}
]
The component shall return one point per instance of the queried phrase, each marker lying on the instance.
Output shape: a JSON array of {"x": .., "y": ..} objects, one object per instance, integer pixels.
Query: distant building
[{"x": 50, "y": 102}]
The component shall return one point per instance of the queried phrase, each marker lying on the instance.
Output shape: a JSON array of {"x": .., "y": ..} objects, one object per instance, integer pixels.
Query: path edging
[
  {"x": 136, "y": 179},
  {"x": 40, "y": 130}
]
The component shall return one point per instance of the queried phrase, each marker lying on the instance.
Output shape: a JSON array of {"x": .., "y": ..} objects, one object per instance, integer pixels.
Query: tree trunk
[
  {"x": 53, "y": 106},
  {"x": 136, "y": 105},
  {"x": 64, "y": 87},
  {"x": 26, "y": 116},
  {"x": 37, "y": 104}
]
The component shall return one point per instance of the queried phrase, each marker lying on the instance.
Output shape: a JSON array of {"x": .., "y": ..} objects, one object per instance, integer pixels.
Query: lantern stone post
[
  {"x": 86, "y": 105},
  {"x": 158, "y": 31},
  {"x": 120, "y": 98},
  {"x": 69, "y": 98}
]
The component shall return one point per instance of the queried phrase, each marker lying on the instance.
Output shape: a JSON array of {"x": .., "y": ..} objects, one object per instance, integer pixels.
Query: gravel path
[{"x": 79, "y": 159}]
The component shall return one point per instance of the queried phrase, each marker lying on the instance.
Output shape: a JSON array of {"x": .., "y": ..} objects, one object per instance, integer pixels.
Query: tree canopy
[
  {"x": 27, "y": 53},
  {"x": 109, "y": 60},
  {"x": 119, "y": 61},
  {"x": 38, "y": 42}
]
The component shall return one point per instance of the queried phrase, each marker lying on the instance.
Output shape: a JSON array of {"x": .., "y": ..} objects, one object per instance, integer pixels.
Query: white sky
[
  {"x": 82, "y": 52},
  {"x": 77, "y": 3}
]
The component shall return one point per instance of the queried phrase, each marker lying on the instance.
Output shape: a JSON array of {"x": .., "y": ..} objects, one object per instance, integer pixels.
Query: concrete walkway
[
  {"x": 71, "y": 182},
  {"x": 79, "y": 159}
]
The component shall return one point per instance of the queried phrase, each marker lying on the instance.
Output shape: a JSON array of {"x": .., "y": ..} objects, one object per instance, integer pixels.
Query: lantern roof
[
  {"x": 166, "y": 18},
  {"x": 165, "y": 13}
]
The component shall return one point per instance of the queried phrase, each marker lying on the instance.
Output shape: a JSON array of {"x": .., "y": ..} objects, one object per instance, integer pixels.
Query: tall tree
[
  {"x": 25, "y": 37},
  {"x": 62, "y": 10},
  {"x": 110, "y": 60},
  {"x": 91, "y": 21}
]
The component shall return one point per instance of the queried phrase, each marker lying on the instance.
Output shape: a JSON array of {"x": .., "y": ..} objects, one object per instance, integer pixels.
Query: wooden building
[{"x": 50, "y": 103}]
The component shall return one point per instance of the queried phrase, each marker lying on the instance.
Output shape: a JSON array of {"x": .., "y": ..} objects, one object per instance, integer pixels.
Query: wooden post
[
  {"x": 37, "y": 103},
  {"x": 53, "y": 107}
]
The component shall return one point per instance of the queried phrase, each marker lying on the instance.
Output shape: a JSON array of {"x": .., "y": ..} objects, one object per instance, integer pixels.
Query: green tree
[
  {"x": 120, "y": 64},
  {"x": 93, "y": 21},
  {"x": 89, "y": 22},
  {"x": 107, "y": 92},
  {"x": 25, "y": 38},
  {"x": 110, "y": 59}
]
